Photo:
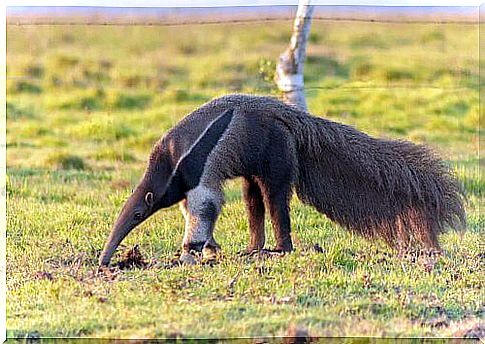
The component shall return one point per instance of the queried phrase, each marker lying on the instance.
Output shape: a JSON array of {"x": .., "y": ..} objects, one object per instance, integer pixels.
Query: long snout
[{"x": 120, "y": 230}]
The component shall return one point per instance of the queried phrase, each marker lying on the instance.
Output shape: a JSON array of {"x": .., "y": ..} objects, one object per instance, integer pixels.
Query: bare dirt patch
[{"x": 132, "y": 258}]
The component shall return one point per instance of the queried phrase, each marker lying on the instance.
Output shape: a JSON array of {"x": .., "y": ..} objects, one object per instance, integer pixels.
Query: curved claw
[
  {"x": 272, "y": 253},
  {"x": 249, "y": 252}
]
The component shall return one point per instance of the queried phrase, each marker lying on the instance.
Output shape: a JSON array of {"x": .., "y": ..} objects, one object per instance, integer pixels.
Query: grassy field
[{"x": 84, "y": 106}]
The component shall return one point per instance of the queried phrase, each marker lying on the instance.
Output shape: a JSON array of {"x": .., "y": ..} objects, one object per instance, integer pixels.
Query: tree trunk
[{"x": 289, "y": 71}]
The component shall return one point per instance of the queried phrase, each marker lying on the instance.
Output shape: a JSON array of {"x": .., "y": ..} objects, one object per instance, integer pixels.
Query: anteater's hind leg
[
  {"x": 277, "y": 176},
  {"x": 277, "y": 199},
  {"x": 255, "y": 208}
]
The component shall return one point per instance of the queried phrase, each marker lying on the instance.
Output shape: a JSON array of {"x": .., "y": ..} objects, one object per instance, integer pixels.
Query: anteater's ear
[
  {"x": 190, "y": 167},
  {"x": 149, "y": 199}
]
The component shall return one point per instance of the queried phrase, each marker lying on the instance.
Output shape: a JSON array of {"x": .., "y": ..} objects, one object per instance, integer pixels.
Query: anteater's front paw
[
  {"x": 210, "y": 250},
  {"x": 187, "y": 258},
  {"x": 195, "y": 246},
  {"x": 209, "y": 253},
  {"x": 192, "y": 252}
]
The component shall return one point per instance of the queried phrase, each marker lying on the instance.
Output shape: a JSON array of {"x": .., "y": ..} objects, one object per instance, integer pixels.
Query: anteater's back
[{"x": 395, "y": 190}]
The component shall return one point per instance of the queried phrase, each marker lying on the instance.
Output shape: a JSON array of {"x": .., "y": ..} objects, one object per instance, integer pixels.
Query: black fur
[{"x": 190, "y": 165}]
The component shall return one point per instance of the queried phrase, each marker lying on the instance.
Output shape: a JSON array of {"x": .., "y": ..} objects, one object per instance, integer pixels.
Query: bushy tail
[{"x": 394, "y": 190}]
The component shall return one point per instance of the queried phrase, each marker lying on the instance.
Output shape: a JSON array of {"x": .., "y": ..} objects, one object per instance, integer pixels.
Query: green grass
[{"x": 84, "y": 107}]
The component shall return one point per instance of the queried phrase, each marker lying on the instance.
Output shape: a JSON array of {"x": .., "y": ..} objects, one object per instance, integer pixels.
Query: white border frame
[
  {"x": 228, "y": 3},
  {"x": 142, "y": 3},
  {"x": 3, "y": 177}
]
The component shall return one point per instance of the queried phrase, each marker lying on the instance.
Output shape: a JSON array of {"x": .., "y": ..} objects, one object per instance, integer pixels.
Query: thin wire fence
[{"x": 12, "y": 22}]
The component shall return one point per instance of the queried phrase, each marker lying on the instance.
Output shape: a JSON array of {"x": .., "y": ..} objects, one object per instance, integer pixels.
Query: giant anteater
[{"x": 394, "y": 190}]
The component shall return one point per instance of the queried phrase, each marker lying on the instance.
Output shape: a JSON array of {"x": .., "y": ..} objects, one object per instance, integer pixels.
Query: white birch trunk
[{"x": 289, "y": 71}]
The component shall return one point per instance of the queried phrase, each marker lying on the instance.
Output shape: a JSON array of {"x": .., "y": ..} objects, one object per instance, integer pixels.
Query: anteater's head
[
  {"x": 140, "y": 205},
  {"x": 163, "y": 185}
]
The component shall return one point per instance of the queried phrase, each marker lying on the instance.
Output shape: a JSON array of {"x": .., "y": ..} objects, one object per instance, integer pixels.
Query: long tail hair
[{"x": 394, "y": 190}]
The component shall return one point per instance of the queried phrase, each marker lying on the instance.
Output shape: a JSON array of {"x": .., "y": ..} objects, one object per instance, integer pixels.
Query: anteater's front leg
[
  {"x": 255, "y": 209},
  {"x": 201, "y": 209}
]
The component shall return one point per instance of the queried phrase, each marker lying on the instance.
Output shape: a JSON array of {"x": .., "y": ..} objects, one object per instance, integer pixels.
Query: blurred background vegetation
[{"x": 95, "y": 85}]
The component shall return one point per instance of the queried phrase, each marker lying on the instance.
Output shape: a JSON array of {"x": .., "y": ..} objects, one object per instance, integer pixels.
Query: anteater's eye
[{"x": 137, "y": 216}]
